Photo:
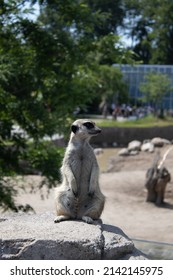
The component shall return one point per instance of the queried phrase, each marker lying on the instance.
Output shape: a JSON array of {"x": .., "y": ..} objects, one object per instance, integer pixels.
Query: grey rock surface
[{"x": 31, "y": 236}]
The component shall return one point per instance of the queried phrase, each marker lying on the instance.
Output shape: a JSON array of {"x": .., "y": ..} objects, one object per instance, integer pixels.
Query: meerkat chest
[{"x": 82, "y": 160}]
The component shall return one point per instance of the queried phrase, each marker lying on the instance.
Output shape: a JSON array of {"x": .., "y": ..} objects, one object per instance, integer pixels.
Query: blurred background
[{"x": 111, "y": 61}]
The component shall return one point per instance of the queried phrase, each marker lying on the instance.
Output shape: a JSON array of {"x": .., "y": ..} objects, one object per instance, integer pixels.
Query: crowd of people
[{"x": 124, "y": 110}]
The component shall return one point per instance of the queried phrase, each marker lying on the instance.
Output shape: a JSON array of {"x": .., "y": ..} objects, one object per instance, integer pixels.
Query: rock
[
  {"x": 134, "y": 145},
  {"x": 33, "y": 236},
  {"x": 134, "y": 153},
  {"x": 147, "y": 147},
  {"x": 160, "y": 142},
  {"x": 123, "y": 152}
]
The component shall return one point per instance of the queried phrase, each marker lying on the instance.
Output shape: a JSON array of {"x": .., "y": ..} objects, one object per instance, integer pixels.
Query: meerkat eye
[
  {"x": 74, "y": 128},
  {"x": 89, "y": 125}
]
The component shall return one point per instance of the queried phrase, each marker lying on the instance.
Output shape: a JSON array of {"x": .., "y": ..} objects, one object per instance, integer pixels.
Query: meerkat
[{"x": 79, "y": 196}]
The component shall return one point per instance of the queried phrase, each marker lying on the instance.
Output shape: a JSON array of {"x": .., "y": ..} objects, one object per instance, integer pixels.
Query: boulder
[
  {"x": 160, "y": 142},
  {"x": 123, "y": 152},
  {"x": 134, "y": 153},
  {"x": 147, "y": 147},
  {"x": 37, "y": 237},
  {"x": 134, "y": 145}
]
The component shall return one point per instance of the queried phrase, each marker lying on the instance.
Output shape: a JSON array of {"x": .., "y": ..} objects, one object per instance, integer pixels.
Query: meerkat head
[{"x": 84, "y": 128}]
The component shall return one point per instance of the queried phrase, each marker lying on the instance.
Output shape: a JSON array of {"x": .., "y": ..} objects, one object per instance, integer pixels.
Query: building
[{"x": 135, "y": 75}]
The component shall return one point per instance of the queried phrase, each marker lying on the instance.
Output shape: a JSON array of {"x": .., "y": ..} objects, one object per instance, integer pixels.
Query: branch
[{"x": 164, "y": 157}]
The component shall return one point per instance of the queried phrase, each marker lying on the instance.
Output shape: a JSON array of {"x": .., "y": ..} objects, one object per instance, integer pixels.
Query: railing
[{"x": 155, "y": 250}]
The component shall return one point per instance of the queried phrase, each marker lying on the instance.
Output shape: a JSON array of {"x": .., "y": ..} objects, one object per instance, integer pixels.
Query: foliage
[
  {"x": 150, "y": 26},
  {"x": 162, "y": 34},
  {"x": 155, "y": 88},
  {"x": 111, "y": 84},
  {"x": 7, "y": 194},
  {"x": 113, "y": 16},
  {"x": 49, "y": 66}
]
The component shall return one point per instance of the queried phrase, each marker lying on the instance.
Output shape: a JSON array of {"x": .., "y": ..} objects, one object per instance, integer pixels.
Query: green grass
[{"x": 148, "y": 121}]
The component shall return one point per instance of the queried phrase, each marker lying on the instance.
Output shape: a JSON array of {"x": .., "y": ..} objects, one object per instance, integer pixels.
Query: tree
[
  {"x": 150, "y": 26},
  {"x": 21, "y": 105},
  {"x": 49, "y": 67},
  {"x": 38, "y": 93},
  {"x": 155, "y": 87},
  {"x": 111, "y": 84},
  {"x": 162, "y": 33},
  {"x": 112, "y": 16}
]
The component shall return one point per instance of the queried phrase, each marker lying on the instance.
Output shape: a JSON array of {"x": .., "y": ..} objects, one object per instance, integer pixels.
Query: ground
[{"x": 126, "y": 205}]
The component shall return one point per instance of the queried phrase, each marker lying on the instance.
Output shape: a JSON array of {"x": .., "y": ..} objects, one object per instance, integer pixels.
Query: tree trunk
[{"x": 156, "y": 181}]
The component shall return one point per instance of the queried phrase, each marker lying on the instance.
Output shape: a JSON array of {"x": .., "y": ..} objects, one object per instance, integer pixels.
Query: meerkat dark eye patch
[
  {"x": 89, "y": 125},
  {"x": 74, "y": 128}
]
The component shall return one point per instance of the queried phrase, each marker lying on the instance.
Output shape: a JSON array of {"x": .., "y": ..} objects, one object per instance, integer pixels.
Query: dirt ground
[{"x": 126, "y": 205}]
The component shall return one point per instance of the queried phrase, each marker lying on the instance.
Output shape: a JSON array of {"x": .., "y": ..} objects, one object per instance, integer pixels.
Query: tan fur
[{"x": 79, "y": 196}]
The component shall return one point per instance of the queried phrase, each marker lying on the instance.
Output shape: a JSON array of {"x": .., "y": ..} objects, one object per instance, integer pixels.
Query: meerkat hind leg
[{"x": 61, "y": 218}]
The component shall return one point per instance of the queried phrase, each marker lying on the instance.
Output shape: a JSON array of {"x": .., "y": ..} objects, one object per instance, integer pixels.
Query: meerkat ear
[{"x": 74, "y": 128}]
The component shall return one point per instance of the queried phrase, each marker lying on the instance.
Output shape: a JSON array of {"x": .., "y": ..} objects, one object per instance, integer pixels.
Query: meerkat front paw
[
  {"x": 61, "y": 218},
  {"x": 87, "y": 220}
]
